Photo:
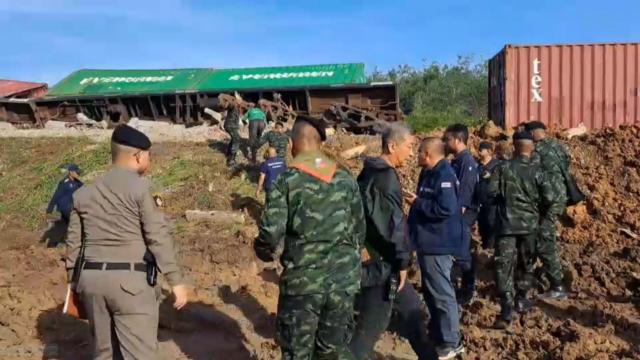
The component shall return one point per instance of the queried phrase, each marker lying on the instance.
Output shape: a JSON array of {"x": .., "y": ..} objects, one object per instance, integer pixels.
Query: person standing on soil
[
  {"x": 520, "y": 190},
  {"x": 257, "y": 122},
  {"x": 62, "y": 198},
  {"x": 387, "y": 252},
  {"x": 278, "y": 139},
  {"x": 316, "y": 209},
  {"x": 270, "y": 170},
  {"x": 232, "y": 127},
  {"x": 555, "y": 161},
  {"x": 466, "y": 170},
  {"x": 487, "y": 211},
  {"x": 435, "y": 228},
  {"x": 114, "y": 233}
]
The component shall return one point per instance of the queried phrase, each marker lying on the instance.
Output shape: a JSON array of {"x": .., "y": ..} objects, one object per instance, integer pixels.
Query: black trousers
[
  {"x": 256, "y": 128},
  {"x": 374, "y": 314}
]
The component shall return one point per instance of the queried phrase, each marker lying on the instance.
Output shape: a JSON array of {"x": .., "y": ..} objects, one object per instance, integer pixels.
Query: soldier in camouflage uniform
[
  {"x": 555, "y": 160},
  {"x": 277, "y": 139},
  {"x": 521, "y": 192},
  {"x": 316, "y": 209},
  {"x": 232, "y": 127}
]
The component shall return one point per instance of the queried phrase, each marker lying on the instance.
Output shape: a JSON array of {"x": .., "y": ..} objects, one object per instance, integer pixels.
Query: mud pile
[{"x": 599, "y": 243}]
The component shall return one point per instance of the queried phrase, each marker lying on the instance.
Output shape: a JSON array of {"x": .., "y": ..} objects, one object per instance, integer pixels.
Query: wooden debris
[
  {"x": 353, "y": 152},
  {"x": 629, "y": 233},
  {"x": 576, "y": 131},
  {"x": 215, "y": 216}
]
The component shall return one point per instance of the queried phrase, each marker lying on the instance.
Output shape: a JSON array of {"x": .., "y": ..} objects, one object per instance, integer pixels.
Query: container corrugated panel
[
  {"x": 565, "y": 85},
  {"x": 284, "y": 77},
  {"x": 119, "y": 82},
  {"x": 130, "y": 82},
  {"x": 9, "y": 88}
]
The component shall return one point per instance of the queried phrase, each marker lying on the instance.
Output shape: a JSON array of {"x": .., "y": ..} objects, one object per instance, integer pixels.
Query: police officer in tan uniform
[{"x": 117, "y": 220}]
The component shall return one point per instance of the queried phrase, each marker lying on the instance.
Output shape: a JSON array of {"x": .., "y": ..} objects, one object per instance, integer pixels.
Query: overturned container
[{"x": 566, "y": 85}]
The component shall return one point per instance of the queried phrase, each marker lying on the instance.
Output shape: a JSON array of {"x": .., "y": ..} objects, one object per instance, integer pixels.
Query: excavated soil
[{"x": 235, "y": 296}]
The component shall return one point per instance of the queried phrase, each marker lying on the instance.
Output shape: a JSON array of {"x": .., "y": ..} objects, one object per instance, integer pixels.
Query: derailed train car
[{"x": 187, "y": 96}]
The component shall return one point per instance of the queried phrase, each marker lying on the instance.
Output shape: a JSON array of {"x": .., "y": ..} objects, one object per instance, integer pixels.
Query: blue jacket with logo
[
  {"x": 466, "y": 170},
  {"x": 63, "y": 197},
  {"x": 435, "y": 218}
]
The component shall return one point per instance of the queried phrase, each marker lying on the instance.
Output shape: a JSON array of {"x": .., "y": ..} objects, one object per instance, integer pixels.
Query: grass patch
[{"x": 31, "y": 170}]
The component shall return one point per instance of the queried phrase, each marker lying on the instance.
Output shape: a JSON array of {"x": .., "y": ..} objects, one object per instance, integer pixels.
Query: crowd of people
[{"x": 348, "y": 243}]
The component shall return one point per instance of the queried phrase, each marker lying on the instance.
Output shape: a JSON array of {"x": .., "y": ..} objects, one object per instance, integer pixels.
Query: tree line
[{"x": 437, "y": 95}]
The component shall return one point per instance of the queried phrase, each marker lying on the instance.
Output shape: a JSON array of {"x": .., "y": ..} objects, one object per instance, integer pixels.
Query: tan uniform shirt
[{"x": 119, "y": 220}]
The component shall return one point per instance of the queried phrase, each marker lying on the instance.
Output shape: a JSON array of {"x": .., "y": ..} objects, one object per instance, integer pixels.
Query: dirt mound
[{"x": 236, "y": 295}]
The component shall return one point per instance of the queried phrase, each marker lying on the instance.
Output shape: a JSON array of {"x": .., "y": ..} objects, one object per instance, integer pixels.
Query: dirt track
[{"x": 232, "y": 316}]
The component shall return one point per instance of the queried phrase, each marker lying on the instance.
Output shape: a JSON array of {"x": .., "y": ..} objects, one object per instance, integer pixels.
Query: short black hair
[
  {"x": 279, "y": 123},
  {"x": 457, "y": 131},
  {"x": 485, "y": 145},
  {"x": 535, "y": 125}
]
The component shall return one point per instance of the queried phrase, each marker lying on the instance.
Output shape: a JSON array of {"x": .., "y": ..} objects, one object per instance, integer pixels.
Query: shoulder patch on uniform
[{"x": 446, "y": 184}]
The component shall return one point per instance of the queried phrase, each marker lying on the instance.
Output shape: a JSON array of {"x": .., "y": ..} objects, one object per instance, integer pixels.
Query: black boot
[
  {"x": 557, "y": 292},
  {"x": 506, "y": 315},
  {"x": 523, "y": 305}
]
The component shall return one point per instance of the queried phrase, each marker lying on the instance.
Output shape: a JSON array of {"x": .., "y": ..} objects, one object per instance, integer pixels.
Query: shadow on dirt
[
  {"x": 263, "y": 322},
  {"x": 55, "y": 234},
  {"x": 64, "y": 337},
  {"x": 253, "y": 207},
  {"x": 201, "y": 332}
]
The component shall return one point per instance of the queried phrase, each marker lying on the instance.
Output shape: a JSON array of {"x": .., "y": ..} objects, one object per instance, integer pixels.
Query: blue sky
[{"x": 44, "y": 40}]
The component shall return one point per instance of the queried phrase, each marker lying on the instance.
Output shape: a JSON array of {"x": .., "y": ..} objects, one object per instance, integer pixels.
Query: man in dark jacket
[
  {"x": 62, "y": 199},
  {"x": 466, "y": 170},
  {"x": 232, "y": 127},
  {"x": 386, "y": 254},
  {"x": 522, "y": 192},
  {"x": 487, "y": 211},
  {"x": 435, "y": 229}
]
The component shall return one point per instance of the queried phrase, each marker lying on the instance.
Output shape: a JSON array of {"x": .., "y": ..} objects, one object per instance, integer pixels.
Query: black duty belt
[{"x": 115, "y": 266}]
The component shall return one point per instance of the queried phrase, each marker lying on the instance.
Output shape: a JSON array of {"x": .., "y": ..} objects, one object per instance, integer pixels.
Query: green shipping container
[
  {"x": 130, "y": 82},
  {"x": 116, "y": 82},
  {"x": 284, "y": 77}
]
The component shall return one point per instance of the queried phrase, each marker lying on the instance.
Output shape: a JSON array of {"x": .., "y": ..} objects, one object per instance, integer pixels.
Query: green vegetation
[
  {"x": 438, "y": 95},
  {"x": 31, "y": 171}
]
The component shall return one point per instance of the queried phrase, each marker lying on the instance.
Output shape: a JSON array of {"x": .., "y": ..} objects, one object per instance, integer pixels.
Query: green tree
[{"x": 441, "y": 94}]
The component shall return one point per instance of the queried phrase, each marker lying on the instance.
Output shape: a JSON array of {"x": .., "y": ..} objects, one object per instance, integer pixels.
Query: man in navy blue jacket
[
  {"x": 63, "y": 197},
  {"x": 435, "y": 229},
  {"x": 466, "y": 170}
]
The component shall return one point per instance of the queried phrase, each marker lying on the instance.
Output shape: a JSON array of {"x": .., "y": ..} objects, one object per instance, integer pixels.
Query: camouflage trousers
[
  {"x": 234, "y": 144},
  {"x": 547, "y": 251},
  {"x": 315, "y": 326},
  {"x": 514, "y": 261}
]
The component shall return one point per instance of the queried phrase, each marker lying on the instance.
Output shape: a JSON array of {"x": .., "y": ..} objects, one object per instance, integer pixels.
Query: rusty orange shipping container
[{"x": 565, "y": 85}]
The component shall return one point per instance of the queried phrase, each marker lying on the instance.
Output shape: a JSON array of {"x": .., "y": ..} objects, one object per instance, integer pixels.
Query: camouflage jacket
[
  {"x": 232, "y": 119},
  {"x": 317, "y": 210},
  {"x": 278, "y": 141},
  {"x": 524, "y": 197},
  {"x": 554, "y": 159}
]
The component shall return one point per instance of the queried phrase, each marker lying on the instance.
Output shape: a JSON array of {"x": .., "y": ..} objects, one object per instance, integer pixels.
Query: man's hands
[
  {"x": 403, "y": 279},
  {"x": 180, "y": 293},
  {"x": 409, "y": 197},
  {"x": 258, "y": 193},
  {"x": 364, "y": 255}
]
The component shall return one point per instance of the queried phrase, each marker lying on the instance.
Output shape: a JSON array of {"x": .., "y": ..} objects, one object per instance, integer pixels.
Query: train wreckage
[{"x": 337, "y": 92}]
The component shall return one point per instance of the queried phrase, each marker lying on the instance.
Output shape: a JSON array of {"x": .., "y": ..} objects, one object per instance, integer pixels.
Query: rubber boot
[
  {"x": 506, "y": 314},
  {"x": 555, "y": 293}
]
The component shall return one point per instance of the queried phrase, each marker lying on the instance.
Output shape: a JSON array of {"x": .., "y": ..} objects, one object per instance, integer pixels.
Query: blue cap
[{"x": 72, "y": 167}]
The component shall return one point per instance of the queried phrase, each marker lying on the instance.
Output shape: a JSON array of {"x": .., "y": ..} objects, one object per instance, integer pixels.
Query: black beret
[
  {"x": 534, "y": 125},
  {"x": 317, "y": 124},
  {"x": 485, "y": 145},
  {"x": 522, "y": 135},
  {"x": 128, "y": 136}
]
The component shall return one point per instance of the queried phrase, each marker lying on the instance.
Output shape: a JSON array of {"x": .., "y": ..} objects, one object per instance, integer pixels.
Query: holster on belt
[{"x": 152, "y": 268}]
